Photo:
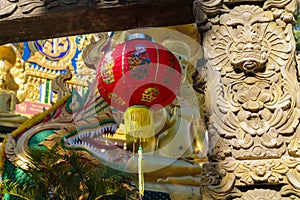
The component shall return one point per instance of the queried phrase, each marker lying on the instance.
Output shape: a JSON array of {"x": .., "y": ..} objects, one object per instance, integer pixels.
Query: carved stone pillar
[{"x": 252, "y": 99}]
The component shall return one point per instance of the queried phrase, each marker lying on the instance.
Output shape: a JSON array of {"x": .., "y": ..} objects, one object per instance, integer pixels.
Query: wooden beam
[{"x": 33, "y": 20}]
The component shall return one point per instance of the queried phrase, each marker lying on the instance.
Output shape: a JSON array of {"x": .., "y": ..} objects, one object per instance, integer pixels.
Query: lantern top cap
[{"x": 138, "y": 36}]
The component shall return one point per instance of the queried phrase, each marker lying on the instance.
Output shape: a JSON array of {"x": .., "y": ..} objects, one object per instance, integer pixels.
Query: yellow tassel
[
  {"x": 138, "y": 123},
  {"x": 140, "y": 171}
]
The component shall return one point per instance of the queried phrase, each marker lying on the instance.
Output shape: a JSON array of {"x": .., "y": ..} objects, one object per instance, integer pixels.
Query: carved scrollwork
[
  {"x": 10, "y": 153},
  {"x": 204, "y": 12},
  {"x": 59, "y": 85},
  {"x": 93, "y": 52},
  {"x": 219, "y": 148},
  {"x": 217, "y": 181},
  {"x": 9, "y": 148},
  {"x": 251, "y": 82},
  {"x": 252, "y": 97},
  {"x": 290, "y": 192},
  {"x": 221, "y": 180},
  {"x": 294, "y": 144},
  {"x": 9, "y": 7},
  {"x": 288, "y": 5},
  {"x": 293, "y": 175}
]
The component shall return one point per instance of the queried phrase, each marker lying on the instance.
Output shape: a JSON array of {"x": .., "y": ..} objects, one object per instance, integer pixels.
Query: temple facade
[{"x": 231, "y": 133}]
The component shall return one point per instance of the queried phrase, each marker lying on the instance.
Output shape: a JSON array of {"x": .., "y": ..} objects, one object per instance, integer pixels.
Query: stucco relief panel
[{"x": 251, "y": 82}]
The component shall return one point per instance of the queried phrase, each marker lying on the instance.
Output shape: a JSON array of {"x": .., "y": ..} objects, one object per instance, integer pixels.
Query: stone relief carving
[
  {"x": 268, "y": 171},
  {"x": 204, "y": 9},
  {"x": 223, "y": 180},
  {"x": 261, "y": 194},
  {"x": 252, "y": 106},
  {"x": 252, "y": 81},
  {"x": 218, "y": 181},
  {"x": 9, "y": 7}
]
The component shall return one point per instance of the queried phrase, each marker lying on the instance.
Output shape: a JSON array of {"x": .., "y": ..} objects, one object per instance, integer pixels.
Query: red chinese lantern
[{"x": 136, "y": 77}]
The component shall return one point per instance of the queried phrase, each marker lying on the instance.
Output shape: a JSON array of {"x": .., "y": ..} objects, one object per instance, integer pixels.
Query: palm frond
[{"x": 67, "y": 175}]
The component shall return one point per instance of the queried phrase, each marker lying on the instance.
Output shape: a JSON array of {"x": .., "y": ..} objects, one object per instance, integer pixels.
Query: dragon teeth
[{"x": 92, "y": 134}]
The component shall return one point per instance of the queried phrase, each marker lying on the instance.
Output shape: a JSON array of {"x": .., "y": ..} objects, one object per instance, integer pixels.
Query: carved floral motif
[
  {"x": 252, "y": 100},
  {"x": 221, "y": 180},
  {"x": 251, "y": 81},
  {"x": 261, "y": 171},
  {"x": 261, "y": 194},
  {"x": 9, "y": 7}
]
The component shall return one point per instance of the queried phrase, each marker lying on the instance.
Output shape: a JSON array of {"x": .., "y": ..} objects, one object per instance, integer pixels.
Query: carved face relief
[
  {"x": 247, "y": 41},
  {"x": 248, "y": 52}
]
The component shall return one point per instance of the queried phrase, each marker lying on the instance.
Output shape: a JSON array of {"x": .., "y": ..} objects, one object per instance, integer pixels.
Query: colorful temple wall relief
[{"x": 44, "y": 60}]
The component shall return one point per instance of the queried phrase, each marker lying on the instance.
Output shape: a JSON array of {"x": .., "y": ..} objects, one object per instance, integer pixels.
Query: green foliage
[
  {"x": 20, "y": 178},
  {"x": 296, "y": 29},
  {"x": 13, "y": 191},
  {"x": 69, "y": 176},
  {"x": 297, "y": 38}
]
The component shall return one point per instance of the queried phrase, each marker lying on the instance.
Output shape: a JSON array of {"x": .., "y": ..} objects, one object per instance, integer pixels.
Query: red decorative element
[{"x": 138, "y": 72}]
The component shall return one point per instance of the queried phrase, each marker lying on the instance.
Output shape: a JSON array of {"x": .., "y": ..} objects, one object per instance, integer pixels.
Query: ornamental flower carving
[
  {"x": 253, "y": 115},
  {"x": 254, "y": 98},
  {"x": 260, "y": 171},
  {"x": 261, "y": 194},
  {"x": 251, "y": 85}
]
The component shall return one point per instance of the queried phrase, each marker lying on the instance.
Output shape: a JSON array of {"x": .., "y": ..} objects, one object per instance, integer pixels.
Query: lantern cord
[
  {"x": 140, "y": 171},
  {"x": 133, "y": 150}
]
